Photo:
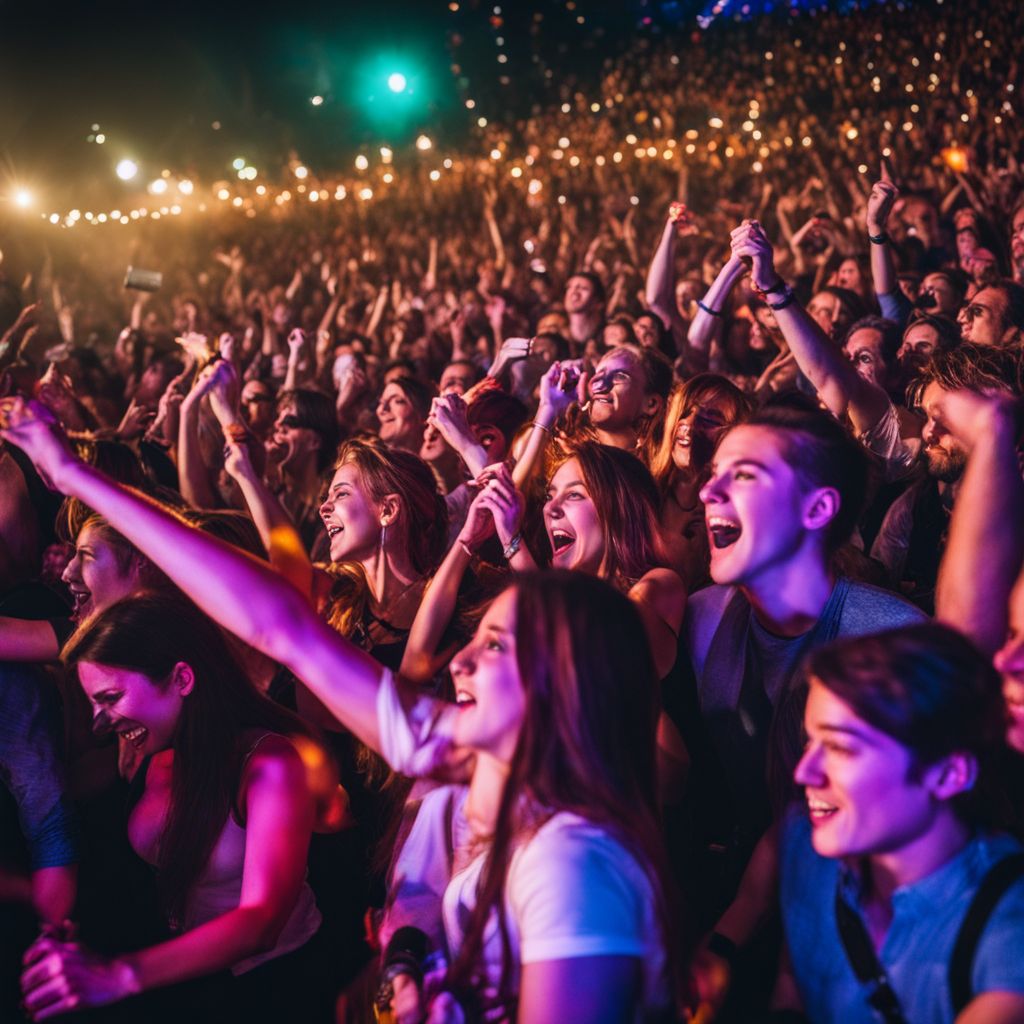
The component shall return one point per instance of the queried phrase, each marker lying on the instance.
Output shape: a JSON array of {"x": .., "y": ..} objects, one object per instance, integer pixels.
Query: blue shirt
[
  {"x": 919, "y": 944},
  {"x": 31, "y": 767}
]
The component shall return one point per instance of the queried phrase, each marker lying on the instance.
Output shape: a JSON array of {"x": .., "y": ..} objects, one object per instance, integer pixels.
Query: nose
[
  {"x": 808, "y": 771},
  {"x": 102, "y": 723},
  {"x": 326, "y": 507},
  {"x": 70, "y": 573},
  {"x": 711, "y": 492},
  {"x": 463, "y": 663},
  {"x": 599, "y": 384},
  {"x": 1009, "y": 659},
  {"x": 929, "y": 433}
]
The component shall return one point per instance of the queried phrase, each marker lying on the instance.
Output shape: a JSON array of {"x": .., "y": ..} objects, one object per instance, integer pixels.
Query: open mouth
[
  {"x": 333, "y": 531},
  {"x": 464, "y": 698},
  {"x": 80, "y": 599},
  {"x": 818, "y": 809},
  {"x": 135, "y": 736},
  {"x": 560, "y": 540},
  {"x": 724, "y": 532}
]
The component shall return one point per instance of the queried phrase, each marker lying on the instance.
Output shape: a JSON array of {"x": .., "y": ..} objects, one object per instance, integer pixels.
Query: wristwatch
[{"x": 512, "y": 547}]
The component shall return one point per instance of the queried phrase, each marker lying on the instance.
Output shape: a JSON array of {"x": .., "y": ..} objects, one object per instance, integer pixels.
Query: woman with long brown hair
[
  {"x": 698, "y": 412},
  {"x": 225, "y": 815}
]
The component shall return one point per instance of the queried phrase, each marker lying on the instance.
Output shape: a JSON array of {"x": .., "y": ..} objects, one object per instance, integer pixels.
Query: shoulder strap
[
  {"x": 860, "y": 952},
  {"x": 993, "y": 886}
]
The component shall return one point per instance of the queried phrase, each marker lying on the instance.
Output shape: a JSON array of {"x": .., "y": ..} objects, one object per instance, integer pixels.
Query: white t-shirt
[{"x": 572, "y": 891}]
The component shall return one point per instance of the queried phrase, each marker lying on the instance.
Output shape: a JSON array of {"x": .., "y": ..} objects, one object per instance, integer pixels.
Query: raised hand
[
  {"x": 33, "y": 428},
  {"x": 137, "y": 418},
  {"x": 750, "y": 244},
  {"x": 196, "y": 345},
  {"x": 557, "y": 390},
  {"x": 499, "y": 496},
  {"x": 880, "y": 203}
]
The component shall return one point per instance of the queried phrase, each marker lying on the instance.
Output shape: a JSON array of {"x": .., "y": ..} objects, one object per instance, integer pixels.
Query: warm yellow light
[
  {"x": 362, "y": 162},
  {"x": 23, "y": 198},
  {"x": 126, "y": 169},
  {"x": 435, "y": 175},
  {"x": 158, "y": 186},
  {"x": 301, "y": 172},
  {"x": 423, "y": 143},
  {"x": 185, "y": 187}
]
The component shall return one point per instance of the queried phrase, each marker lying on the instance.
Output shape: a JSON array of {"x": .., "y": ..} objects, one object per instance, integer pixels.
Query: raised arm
[
  {"x": 986, "y": 541},
  {"x": 838, "y": 384},
  {"x": 557, "y": 393},
  {"x": 240, "y": 592},
  {"x": 661, "y": 274},
  {"x": 895, "y": 305}
]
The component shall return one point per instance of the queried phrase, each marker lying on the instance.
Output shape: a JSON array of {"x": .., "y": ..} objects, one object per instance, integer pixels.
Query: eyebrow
[
  {"x": 571, "y": 483},
  {"x": 106, "y": 694},
  {"x": 844, "y": 730},
  {"x": 744, "y": 462}
]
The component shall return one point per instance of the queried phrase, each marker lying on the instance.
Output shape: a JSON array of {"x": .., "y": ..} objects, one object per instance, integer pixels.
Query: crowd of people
[{"x": 600, "y": 601}]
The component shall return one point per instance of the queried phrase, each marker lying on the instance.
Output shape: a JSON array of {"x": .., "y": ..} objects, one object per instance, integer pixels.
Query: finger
[{"x": 39, "y": 949}]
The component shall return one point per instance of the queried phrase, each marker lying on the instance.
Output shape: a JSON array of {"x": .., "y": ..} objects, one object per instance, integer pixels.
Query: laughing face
[
  {"x": 488, "y": 686},
  {"x": 862, "y": 796},
  {"x": 697, "y": 433},
  {"x": 142, "y": 712},
  {"x": 573, "y": 525},
  {"x": 98, "y": 574},
  {"x": 753, "y": 507},
  {"x": 350, "y": 516},
  {"x": 617, "y": 397},
  {"x": 400, "y": 424}
]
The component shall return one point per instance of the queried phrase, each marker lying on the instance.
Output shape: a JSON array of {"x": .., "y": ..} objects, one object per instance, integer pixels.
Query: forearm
[
  {"x": 215, "y": 946},
  {"x": 27, "y": 639},
  {"x": 533, "y": 454},
  {"x": 983, "y": 555},
  {"x": 53, "y": 893},
  {"x": 192, "y": 472},
  {"x": 282, "y": 541},
  {"x": 433, "y": 616},
  {"x": 705, "y": 326},
  {"x": 883, "y": 269},
  {"x": 661, "y": 274}
]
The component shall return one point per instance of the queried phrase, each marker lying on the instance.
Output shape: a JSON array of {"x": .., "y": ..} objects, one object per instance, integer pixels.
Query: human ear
[
  {"x": 389, "y": 509},
  {"x": 953, "y": 775},
  {"x": 821, "y": 507},
  {"x": 183, "y": 678}
]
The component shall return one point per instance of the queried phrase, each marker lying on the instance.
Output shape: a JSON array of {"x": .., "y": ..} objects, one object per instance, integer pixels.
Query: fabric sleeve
[
  {"x": 575, "y": 892},
  {"x": 415, "y": 740},
  {"x": 31, "y": 768},
  {"x": 895, "y": 306},
  {"x": 998, "y": 966},
  {"x": 885, "y": 440}
]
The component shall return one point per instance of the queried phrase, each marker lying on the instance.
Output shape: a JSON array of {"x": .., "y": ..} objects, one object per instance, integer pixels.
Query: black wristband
[
  {"x": 724, "y": 947},
  {"x": 878, "y": 239},
  {"x": 708, "y": 309},
  {"x": 787, "y": 300},
  {"x": 779, "y": 286}
]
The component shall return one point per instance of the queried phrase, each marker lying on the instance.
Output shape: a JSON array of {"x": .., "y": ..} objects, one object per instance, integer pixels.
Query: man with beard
[{"x": 912, "y": 538}]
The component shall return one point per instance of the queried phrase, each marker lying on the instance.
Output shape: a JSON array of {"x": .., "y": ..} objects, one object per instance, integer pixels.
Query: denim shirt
[
  {"x": 926, "y": 917},
  {"x": 31, "y": 767}
]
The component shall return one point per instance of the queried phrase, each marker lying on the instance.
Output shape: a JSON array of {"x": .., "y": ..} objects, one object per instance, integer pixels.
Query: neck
[
  {"x": 789, "y": 599},
  {"x": 919, "y": 858},
  {"x": 389, "y": 574},
  {"x": 485, "y": 790},
  {"x": 583, "y": 326},
  {"x": 303, "y": 479},
  {"x": 618, "y": 437}
]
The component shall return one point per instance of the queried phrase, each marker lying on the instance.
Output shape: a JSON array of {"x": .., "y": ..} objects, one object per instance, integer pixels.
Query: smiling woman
[{"x": 225, "y": 816}]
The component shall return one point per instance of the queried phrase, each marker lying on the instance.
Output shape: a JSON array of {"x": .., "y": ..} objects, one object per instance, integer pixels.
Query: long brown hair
[
  {"x": 150, "y": 633},
  {"x": 586, "y": 746},
  {"x": 701, "y": 389},
  {"x": 422, "y": 525},
  {"x": 623, "y": 492}
]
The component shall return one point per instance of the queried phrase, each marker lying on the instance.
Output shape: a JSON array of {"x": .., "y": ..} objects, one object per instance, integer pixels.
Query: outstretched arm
[
  {"x": 838, "y": 384},
  {"x": 986, "y": 543},
  {"x": 240, "y": 592}
]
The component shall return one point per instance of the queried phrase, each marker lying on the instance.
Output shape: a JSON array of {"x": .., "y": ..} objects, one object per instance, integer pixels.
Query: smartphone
[{"x": 143, "y": 280}]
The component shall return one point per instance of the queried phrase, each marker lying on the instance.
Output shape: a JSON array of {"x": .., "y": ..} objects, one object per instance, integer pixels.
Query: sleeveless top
[{"x": 219, "y": 887}]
